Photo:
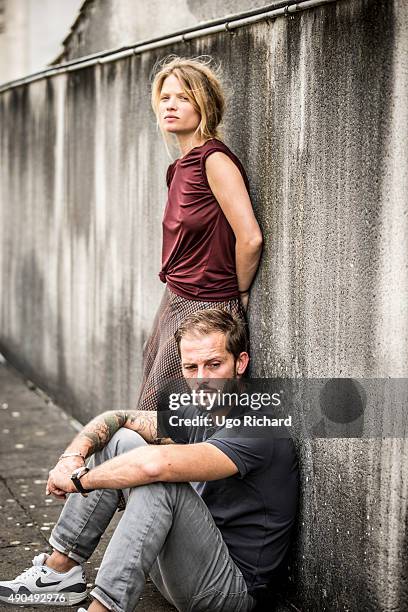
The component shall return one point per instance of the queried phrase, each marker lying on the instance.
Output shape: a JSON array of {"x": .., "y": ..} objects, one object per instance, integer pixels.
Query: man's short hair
[{"x": 211, "y": 320}]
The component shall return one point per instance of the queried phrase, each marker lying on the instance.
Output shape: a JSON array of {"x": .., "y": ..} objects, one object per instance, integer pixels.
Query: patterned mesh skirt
[{"x": 160, "y": 358}]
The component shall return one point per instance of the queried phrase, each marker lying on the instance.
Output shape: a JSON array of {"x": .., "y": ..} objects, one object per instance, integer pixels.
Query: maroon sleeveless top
[{"x": 198, "y": 256}]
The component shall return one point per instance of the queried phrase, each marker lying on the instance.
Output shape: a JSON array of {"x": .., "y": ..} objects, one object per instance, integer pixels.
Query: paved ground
[{"x": 33, "y": 433}]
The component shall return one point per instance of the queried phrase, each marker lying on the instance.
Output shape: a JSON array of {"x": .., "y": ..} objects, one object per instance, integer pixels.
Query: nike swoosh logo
[{"x": 45, "y": 584}]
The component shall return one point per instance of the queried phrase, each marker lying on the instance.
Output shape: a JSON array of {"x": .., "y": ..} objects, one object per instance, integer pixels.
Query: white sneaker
[{"x": 41, "y": 585}]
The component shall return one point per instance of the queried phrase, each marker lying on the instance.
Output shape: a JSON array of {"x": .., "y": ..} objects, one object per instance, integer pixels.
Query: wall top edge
[{"x": 228, "y": 23}]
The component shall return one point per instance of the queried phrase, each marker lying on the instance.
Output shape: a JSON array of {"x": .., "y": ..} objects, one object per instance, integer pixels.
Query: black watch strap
[{"x": 76, "y": 479}]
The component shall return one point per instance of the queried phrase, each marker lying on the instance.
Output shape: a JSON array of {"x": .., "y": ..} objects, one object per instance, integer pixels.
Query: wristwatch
[{"x": 76, "y": 476}]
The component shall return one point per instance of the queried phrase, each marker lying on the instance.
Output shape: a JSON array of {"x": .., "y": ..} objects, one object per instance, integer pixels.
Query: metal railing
[{"x": 228, "y": 24}]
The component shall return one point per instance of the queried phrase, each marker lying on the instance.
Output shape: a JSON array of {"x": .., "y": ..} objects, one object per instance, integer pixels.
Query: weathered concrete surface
[
  {"x": 119, "y": 23},
  {"x": 33, "y": 433},
  {"x": 318, "y": 115}
]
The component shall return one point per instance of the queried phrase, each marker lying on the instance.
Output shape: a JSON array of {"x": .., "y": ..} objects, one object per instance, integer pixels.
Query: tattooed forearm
[
  {"x": 100, "y": 430},
  {"x": 96, "y": 435},
  {"x": 144, "y": 422}
]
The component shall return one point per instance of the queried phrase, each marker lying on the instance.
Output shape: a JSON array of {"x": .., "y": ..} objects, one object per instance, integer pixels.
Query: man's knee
[{"x": 125, "y": 440}]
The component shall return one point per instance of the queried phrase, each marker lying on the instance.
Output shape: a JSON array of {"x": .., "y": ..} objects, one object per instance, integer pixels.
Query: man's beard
[{"x": 210, "y": 394}]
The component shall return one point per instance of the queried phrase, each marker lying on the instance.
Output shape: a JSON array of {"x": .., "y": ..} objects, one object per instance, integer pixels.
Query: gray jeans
[{"x": 166, "y": 531}]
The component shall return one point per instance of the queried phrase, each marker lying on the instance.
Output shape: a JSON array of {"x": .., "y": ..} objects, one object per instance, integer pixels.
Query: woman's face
[{"x": 177, "y": 114}]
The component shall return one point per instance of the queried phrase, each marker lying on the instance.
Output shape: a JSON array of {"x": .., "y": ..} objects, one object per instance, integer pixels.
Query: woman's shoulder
[
  {"x": 197, "y": 157},
  {"x": 214, "y": 145}
]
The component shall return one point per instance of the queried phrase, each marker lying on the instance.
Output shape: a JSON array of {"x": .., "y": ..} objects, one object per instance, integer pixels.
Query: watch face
[
  {"x": 78, "y": 472},
  {"x": 75, "y": 477}
]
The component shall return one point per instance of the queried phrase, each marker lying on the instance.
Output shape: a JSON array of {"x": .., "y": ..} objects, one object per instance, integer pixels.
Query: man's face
[{"x": 206, "y": 357}]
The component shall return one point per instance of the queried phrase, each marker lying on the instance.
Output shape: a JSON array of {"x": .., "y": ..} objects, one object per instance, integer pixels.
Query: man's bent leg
[
  {"x": 168, "y": 531},
  {"x": 83, "y": 520},
  {"x": 194, "y": 569}
]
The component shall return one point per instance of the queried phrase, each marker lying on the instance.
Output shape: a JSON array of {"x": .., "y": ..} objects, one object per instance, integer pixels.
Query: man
[{"x": 213, "y": 550}]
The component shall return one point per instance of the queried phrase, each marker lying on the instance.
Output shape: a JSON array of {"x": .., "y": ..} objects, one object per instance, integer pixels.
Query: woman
[{"x": 211, "y": 240}]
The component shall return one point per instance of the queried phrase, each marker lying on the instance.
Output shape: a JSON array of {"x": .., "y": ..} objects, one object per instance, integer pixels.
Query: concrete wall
[
  {"x": 111, "y": 24},
  {"x": 32, "y": 34},
  {"x": 318, "y": 115}
]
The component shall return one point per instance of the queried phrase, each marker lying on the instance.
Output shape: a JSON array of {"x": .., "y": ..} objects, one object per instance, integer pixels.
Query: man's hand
[
  {"x": 93, "y": 438},
  {"x": 59, "y": 478}
]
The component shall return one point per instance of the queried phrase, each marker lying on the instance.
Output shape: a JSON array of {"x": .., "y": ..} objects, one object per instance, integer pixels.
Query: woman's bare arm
[{"x": 228, "y": 187}]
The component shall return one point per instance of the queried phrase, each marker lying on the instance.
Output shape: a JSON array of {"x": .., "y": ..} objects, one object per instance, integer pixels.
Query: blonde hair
[{"x": 200, "y": 84}]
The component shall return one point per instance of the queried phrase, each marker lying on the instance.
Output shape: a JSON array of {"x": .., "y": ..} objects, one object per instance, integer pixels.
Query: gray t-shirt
[{"x": 254, "y": 509}]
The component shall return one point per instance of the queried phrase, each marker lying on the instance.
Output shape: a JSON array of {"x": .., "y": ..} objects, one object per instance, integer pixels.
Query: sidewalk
[{"x": 33, "y": 433}]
